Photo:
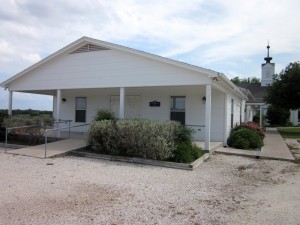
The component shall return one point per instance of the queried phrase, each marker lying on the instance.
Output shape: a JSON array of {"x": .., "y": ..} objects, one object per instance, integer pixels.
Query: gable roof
[
  {"x": 76, "y": 45},
  {"x": 256, "y": 89},
  {"x": 80, "y": 45}
]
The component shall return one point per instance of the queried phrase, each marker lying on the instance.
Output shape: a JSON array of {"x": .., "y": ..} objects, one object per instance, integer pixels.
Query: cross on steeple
[{"x": 268, "y": 58}]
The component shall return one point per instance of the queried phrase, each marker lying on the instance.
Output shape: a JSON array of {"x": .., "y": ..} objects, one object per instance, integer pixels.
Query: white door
[
  {"x": 132, "y": 106},
  {"x": 115, "y": 105}
]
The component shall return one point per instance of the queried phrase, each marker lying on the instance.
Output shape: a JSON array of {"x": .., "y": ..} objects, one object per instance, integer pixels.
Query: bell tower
[{"x": 267, "y": 70}]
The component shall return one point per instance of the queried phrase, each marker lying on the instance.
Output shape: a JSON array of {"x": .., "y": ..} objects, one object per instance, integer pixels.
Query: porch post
[
  {"x": 122, "y": 103},
  {"x": 10, "y": 100},
  {"x": 58, "y": 101},
  {"x": 207, "y": 117},
  {"x": 225, "y": 120},
  {"x": 260, "y": 115},
  {"x": 243, "y": 110}
]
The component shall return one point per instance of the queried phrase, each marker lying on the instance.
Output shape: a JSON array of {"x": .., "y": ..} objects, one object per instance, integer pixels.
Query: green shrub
[
  {"x": 104, "y": 114},
  {"x": 184, "y": 134},
  {"x": 141, "y": 138},
  {"x": 186, "y": 153},
  {"x": 278, "y": 116},
  {"x": 134, "y": 138},
  {"x": 245, "y": 138},
  {"x": 252, "y": 126},
  {"x": 3, "y": 115}
]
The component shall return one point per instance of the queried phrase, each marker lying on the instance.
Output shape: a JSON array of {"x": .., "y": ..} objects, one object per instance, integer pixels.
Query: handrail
[
  {"x": 62, "y": 121},
  {"x": 7, "y": 129},
  {"x": 11, "y": 128},
  {"x": 59, "y": 128}
]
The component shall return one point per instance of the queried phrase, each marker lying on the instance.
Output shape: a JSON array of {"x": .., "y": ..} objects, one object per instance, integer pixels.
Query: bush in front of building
[
  {"x": 251, "y": 126},
  {"x": 245, "y": 138},
  {"x": 186, "y": 152},
  {"x": 104, "y": 114},
  {"x": 141, "y": 138},
  {"x": 3, "y": 116}
]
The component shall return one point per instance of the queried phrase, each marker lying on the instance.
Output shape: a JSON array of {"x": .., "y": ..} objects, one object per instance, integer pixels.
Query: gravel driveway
[{"x": 74, "y": 190}]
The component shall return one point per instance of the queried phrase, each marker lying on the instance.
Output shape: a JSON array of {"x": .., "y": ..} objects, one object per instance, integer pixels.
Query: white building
[
  {"x": 259, "y": 91},
  {"x": 90, "y": 74}
]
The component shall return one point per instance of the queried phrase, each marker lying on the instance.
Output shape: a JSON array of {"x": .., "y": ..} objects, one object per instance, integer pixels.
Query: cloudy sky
[{"x": 228, "y": 36}]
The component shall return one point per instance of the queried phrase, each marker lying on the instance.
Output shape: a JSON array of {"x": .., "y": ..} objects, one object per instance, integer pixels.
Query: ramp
[{"x": 52, "y": 149}]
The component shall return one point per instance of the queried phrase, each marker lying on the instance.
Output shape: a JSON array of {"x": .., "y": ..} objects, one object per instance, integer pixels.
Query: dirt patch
[
  {"x": 72, "y": 190},
  {"x": 88, "y": 199},
  {"x": 294, "y": 146}
]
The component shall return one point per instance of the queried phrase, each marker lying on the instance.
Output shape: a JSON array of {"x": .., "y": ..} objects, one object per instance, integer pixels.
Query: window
[
  {"x": 80, "y": 109},
  {"x": 178, "y": 109}
]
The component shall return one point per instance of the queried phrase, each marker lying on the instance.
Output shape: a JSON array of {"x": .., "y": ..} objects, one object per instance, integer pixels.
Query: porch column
[
  {"x": 207, "y": 117},
  {"x": 243, "y": 110},
  {"x": 122, "y": 103},
  {"x": 58, "y": 100},
  {"x": 260, "y": 115},
  {"x": 10, "y": 100},
  {"x": 225, "y": 120}
]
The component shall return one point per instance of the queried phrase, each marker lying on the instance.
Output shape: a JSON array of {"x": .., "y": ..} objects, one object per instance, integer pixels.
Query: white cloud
[
  {"x": 216, "y": 34},
  {"x": 32, "y": 58},
  {"x": 6, "y": 51}
]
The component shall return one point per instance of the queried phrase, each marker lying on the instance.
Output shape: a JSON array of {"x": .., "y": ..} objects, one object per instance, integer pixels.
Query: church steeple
[
  {"x": 268, "y": 58},
  {"x": 267, "y": 70}
]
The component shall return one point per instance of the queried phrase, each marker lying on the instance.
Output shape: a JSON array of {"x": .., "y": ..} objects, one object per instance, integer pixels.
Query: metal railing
[
  {"x": 7, "y": 129},
  {"x": 45, "y": 134},
  {"x": 65, "y": 122},
  {"x": 58, "y": 129}
]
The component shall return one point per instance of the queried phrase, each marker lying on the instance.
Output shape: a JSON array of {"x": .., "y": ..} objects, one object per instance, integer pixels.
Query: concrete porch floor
[
  {"x": 274, "y": 148},
  {"x": 53, "y": 148},
  {"x": 76, "y": 141}
]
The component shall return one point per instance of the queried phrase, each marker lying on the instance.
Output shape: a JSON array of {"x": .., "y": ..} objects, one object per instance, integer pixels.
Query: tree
[
  {"x": 249, "y": 80},
  {"x": 284, "y": 92},
  {"x": 278, "y": 116}
]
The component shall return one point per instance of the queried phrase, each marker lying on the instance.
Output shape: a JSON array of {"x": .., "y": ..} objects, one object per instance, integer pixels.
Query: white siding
[
  {"x": 195, "y": 109},
  {"x": 237, "y": 116},
  {"x": 104, "y": 69},
  {"x": 218, "y": 119},
  {"x": 267, "y": 72}
]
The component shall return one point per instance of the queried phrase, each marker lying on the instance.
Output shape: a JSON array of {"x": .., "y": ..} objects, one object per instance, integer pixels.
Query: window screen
[
  {"x": 178, "y": 109},
  {"x": 80, "y": 109}
]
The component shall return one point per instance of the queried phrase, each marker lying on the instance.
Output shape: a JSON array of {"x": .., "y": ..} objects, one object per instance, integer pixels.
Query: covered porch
[{"x": 201, "y": 107}]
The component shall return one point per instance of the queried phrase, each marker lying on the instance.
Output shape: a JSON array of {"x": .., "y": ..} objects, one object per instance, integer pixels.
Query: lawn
[{"x": 289, "y": 132}]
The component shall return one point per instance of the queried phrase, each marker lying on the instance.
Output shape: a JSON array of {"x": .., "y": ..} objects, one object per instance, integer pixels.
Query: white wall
[
  {"x": 195, "y": 109},
  {"x": 105, "y": 69},
  {"x": 217, "y": 116},
  {"x": 267, "y": 72},
  {"x": 294, "y": 117},
  {"x": 237, "y": 116}
]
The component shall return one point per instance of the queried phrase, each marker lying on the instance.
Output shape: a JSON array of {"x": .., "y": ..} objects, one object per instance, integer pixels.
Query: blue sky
[{"x": 226, "y": 36}]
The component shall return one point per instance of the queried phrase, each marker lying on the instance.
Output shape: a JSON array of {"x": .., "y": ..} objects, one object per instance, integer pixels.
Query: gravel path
[{"x": 74, "y": 190}]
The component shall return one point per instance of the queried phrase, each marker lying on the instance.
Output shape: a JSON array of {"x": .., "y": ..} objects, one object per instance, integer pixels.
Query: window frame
[
  {"x": 78, "y": 110},
  {"x": 175, "y": 112}
]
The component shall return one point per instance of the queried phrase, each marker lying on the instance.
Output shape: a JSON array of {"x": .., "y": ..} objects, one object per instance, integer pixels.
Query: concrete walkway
[
  {"x": 274, "y": 148},
  {"x": 53, "y": 148}
]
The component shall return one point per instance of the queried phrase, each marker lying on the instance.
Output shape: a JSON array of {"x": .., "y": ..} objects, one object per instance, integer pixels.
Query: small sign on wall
[{"x": 154, "y": 104}]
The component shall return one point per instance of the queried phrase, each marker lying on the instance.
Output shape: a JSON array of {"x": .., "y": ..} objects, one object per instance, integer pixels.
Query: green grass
[{"x": 289, "y": 132}]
